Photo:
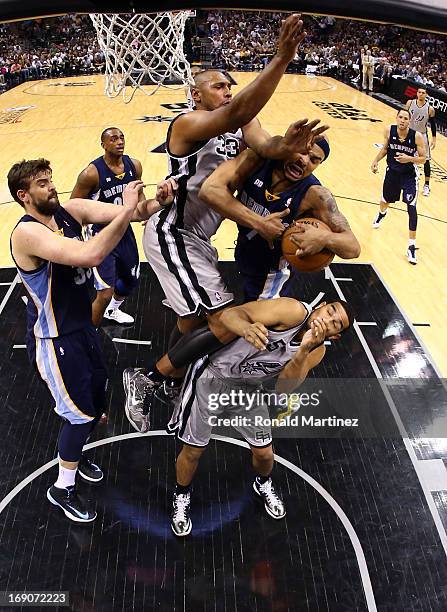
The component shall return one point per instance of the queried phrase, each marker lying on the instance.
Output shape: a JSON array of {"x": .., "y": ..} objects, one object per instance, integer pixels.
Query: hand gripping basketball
[{"x": 305, "y": 252}]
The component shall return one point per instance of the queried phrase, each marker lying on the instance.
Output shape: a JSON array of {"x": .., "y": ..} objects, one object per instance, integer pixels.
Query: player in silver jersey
[
  {"x": 421, "y": 114},
  {"x": 177, "y": 245},
  {"x": 283, "y": 337}
]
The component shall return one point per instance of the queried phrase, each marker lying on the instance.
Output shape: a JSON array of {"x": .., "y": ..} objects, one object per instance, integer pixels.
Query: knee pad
[
  {"x": 412, "y": 217},
  {"x": 427, "y": 168},
  {"x": 125, "y": 286}
]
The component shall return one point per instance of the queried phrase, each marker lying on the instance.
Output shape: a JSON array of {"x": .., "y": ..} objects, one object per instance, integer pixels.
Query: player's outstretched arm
[
  {"x": 92, "y": 211},
  {"x": 250, "y": 321},
  {"x": 87, "y": 183},
  {"x": 218, "y": 189},
  {"x": 38, "y": 242},
  {"x": 202, "y": 125},
  {"x": 299, "y": 138},
  {"x": 321, "y": 204}
]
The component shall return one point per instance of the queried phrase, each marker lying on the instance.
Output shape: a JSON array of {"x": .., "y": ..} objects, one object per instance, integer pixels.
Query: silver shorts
[
  {"x": 186, "y": 267},
  {"x": 199, "y": 410}
]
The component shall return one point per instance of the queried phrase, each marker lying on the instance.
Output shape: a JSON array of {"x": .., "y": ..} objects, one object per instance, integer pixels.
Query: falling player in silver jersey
[
  {"x": 177, "y": 243},
  {"x": 283, "y": 337},
  {"x": 421, "y": 114}
]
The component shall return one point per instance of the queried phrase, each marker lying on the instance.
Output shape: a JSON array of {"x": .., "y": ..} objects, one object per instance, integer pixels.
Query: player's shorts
[
  {"x": 73, "y": 367},
  {"x": 201, "y": 404},
  {"x": 265, "y": 286},
  {"x": 121, "y": 268},
  {"x": 186, "y": 267},
  {"x": 396, "y": 183}
]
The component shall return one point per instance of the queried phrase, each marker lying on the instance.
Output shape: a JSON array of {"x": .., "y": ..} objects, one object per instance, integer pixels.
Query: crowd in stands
[
  {"x": 235, "y": 40},
  {"x": 246, "y": 40},
  {"x": 45, "y": 48}
]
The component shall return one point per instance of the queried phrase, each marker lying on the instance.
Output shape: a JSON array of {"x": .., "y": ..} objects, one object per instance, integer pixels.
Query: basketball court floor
[{"x": 367, "y": 509}]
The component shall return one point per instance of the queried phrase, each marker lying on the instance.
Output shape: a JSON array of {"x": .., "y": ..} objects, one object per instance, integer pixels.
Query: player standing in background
[
  {"x": 104, "y": 179},
  {"x": 421, "y": 113},
  {"x": 403, "y": 148}
]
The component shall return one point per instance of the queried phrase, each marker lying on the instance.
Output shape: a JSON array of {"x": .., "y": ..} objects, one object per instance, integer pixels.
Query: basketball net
[{"x": 142, "y": 47}]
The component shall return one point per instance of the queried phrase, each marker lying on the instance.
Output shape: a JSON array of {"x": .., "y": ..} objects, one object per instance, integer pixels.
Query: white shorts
[{"x": 186, "y": 267}]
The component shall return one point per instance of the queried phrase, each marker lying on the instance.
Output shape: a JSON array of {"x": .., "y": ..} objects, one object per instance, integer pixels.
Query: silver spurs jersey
[
  {"x": 188, "y": 212},
  {"x": 241, "y": 360},
  {"x": 419, "y": 116}
]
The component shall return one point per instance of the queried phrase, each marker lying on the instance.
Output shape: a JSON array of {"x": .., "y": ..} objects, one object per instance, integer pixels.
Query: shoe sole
[
  {"x": 72, "y": 517},
  {"x": 126, "y": 409},
  {"x": 119, "y": 322},
  {"x": 182, "y": 535},
  {"x": 269, "y": 512},
  {"x": 88, "y": 479}
]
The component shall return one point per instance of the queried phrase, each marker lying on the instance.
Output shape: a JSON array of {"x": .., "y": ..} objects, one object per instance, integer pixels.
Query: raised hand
[
  {"x": 300, "y": 137},
  {"x": 290, "y": 36}
]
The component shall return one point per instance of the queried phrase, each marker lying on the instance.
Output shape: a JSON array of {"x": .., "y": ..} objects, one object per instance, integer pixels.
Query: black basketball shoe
[
  {"x": 71, "y": 504},
  {"x": 89, "y": 471}
]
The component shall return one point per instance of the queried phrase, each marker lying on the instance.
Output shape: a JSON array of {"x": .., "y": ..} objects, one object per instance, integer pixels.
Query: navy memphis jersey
[
  {"x": 59, "y": 299},
  {"x": 253, "y": 253},
  {"x": 111, "y": 185},
  {"x": 407, "y": 146}
]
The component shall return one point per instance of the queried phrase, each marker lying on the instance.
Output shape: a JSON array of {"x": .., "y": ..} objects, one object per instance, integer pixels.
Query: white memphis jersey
[
  {"x": 241, "y": 360},
  {"x": 419, "y": 116},
  {"x": 188, "y": 212}
]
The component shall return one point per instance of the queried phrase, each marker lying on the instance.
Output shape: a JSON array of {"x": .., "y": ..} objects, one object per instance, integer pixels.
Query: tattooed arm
[{"x": 320, "y": 203}]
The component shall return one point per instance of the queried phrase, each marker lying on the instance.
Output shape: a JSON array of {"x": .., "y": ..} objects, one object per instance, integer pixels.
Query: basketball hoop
[{"x": 141, "y": 49}]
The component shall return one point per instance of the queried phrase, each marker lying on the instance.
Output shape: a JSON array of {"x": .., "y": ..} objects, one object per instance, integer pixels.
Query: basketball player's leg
[
  {"x": 104, "y": 279},
  {"x": 392, "y": 186},
  {"x": 188, "y": 273},
  {"x": 410, "y": 196},
  {"x": 427, "y": 167},
  {"x": 74, "y": 370},
  {"x": 127, "y": 274},
  {"x": 257, "y": 432},
  {"x": 191, "y": 422}
]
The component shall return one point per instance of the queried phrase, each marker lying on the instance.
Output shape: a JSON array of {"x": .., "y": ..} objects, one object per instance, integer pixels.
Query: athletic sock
[
  {"x": 114, "y": 304},
  {"x": 182, "y": 489},
  {"x": 66, "y": 477},
  {"x": 412, "y": 242}
]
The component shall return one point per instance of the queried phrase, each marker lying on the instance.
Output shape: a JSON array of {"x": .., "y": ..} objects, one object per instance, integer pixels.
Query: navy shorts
[
  {"x": 74, "y": 369},
  {"x": 396, "y": 183},
  {"x": 120, "y": 269}
]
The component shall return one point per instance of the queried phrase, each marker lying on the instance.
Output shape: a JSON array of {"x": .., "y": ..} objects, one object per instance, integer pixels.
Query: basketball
[{"x": 308, "y": 263}]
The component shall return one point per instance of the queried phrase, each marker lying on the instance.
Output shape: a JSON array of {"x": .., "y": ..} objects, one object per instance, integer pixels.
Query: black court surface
[{"x": 366, "y": 516}]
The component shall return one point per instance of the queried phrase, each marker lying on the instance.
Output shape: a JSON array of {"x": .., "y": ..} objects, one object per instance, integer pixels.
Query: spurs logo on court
[
  {"x": 267, "y": 367},
  {"x": 345, "y": 111}
]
